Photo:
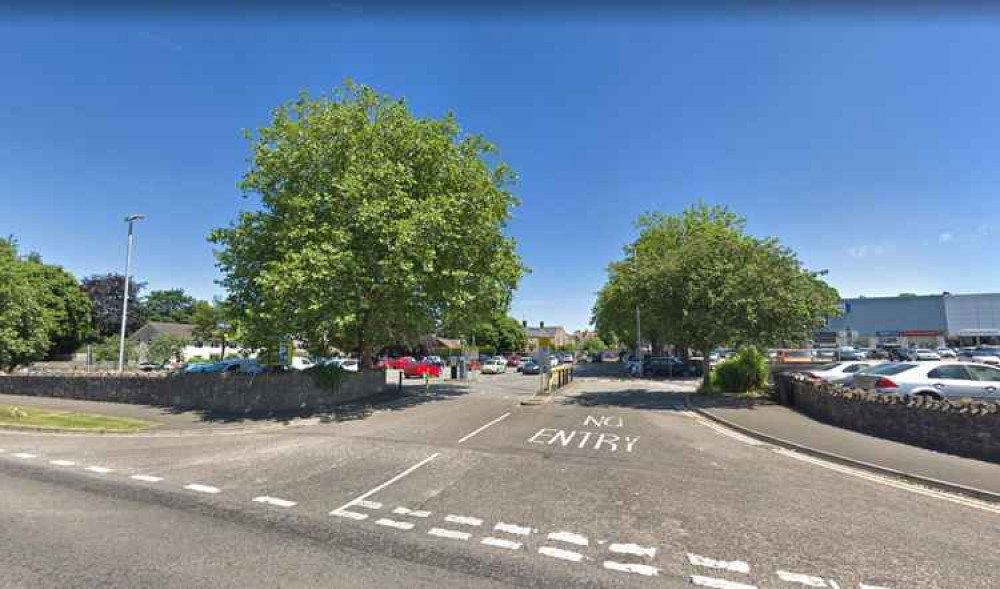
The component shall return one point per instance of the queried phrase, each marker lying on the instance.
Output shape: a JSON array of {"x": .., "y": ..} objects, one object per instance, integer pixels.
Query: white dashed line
[
  {"x": 569, "y": 537},
  {"x": 62, "y": 463},
  {"x": 98, "y": 469},
  {"x": 718, "y": 583},
  {"x": 274, "y": 501},
  {"x": 464, "y": 520},
  {"x": 202, "y": 488},
  {"x": 472, "y": 433},
  {"x": 452, "y": 534},
  {"x": 385, "y": 484},
  {"x": 512, "y": 529},
  {"x": 736, "y": 566},
  {"x": 726, "y": 431},
  {"x": 633, "y": 549},
  {"x": 863, "y": 586},
  {"x": 369, "y": 504},
  {"x": 501, "y": 543},
  {"x": 801, "y": 579},
  {"x": 560, "y": 553},
  {"x": 391, "y": 523},
  {"x": 349, "y": 514},
  {"x": 146, "y": 478},
  {"x": 639, "y": 569},
  {"x": 410, "y": 512},
  {"x": 24, "y": 455}
]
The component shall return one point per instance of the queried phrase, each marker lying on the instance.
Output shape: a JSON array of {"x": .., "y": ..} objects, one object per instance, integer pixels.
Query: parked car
[
  {"x": 150, "y": 366},
  {"x": 665, "y": 366},
  {"x": 300, "y": 363},
  {"x": 840, "y": 372},
  {"x": 981, "y": 355},
  {"x": 530, "y": 367},
  {"x": 933, "y": 379},
  {"x": 514, "y": 362},
  {"x": 495, "y": 367},
  {"x": 394, "y": 363},
  {"x": 924, "y": 355},
  {"x": 795, "y": 356},
  {"x": 567, "y": 358},
  {"x": 824, "y": 354},
  {"x": 849, "y": 353},
  {"x": 553, "y": 360},
  {"x": 946, "y": 353},
  {"x": 421, "y": 369}
]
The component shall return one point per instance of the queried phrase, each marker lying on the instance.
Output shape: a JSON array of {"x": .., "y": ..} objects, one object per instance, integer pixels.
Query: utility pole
[
  {"x": 638, "y": 340},
  {"x": 128, "y": 270}
]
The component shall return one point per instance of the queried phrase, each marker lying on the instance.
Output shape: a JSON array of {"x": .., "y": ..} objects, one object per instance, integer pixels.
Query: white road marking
[
  {"x": 474, "y": 432},
  {"x": 24, "y": 455},
  {"x": 633, "y": 549},
  {"x": 387, "y": 483},
  {"x": 98, "y": 469},
  {"x": 369, "y": 504},
  {"x": 801, "y": 579},
  {"x": 725, "y": 430},
  {"x": 146, "y": 478},
  {"x": 274, "y": 501},
  {"x": 349, "y": 514},
  {"x": 453, "y": 534},
  {"x": 62, "y": 462},
  {"x": 512, "y": 529},
  {"x": 464, "y": 520},
  {"x": 560, "y": 553},
  {"x": 640, "y": 569},
  {"x": 968, "y": 502},
  {"x": 863, "y": 586},
  {"x": 410, "y": 512},
  {"x": 202, "y": 488},
  {"x": 391, "y": 523},
  {"x": 501, "y": 543},
  {"x": 736, "y": 566},
  {"x": 718, "y": 583},
  {"x": 569, "y": 537}
]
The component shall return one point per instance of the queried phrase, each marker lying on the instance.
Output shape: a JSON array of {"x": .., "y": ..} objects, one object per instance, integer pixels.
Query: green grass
[{"x": 34, "y": 417}]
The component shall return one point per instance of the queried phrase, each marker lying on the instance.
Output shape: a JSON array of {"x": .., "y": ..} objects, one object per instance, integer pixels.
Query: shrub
[{"x": 744, "y": 372}]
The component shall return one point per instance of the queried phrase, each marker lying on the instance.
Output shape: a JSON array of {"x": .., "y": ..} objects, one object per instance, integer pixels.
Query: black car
[
  {"x": 531, "y": 367},
  {"x": 666, "y": 366}
]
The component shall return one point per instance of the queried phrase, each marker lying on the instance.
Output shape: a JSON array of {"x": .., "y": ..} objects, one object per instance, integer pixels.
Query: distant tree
[
  {"x": 593, "y": 345},
  {"x": 68, "y": 308},
  {"x": 168, "y": 305},
  {"x": 375, "y": 227},
  {"x": 24, "y": 323},
  {"x": 164, "y": 348},
  {"x": 106, "y": 350},
  {"x": 105, "y": 293}
]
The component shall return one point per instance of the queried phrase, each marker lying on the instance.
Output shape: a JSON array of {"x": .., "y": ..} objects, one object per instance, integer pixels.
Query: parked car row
[{"x": 934, "y": 379}]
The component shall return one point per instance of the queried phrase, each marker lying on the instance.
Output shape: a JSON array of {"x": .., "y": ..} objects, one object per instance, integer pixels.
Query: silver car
[
  {"x": 840, "y": 372},
  {"x": 937, "y": 380}
]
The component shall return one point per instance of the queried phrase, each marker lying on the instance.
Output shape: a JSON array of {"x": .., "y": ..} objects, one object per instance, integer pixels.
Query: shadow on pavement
[{"x": 633, "y": 398}]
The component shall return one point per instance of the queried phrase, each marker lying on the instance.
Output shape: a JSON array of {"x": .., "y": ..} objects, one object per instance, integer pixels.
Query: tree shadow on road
[{"x": 632, "y": 398}]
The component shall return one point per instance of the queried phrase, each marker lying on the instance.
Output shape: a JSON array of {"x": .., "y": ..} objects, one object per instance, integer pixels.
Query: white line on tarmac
[
  {"x": 718, "y": 583},
  {"x": 725, "y": 431},
  {"x": 968, "y": 502},
  {"x": 640, "y": 569},
  {"x": 275, "y": 501},
  {"x": 569, "y": 537},
  {"x": 736, "y": 566},
  {"x": 863, "y": 586},
  {"x": 391, "y": 523},
  {"x": 387, "y": 483},
  {"x": 202, "y": 488},
  {"x": 560, "y": 553},
  {"x": 410, "y": 512},
  {"x": 369, "y": 504},
  {"x": 24, "y": 455},
  {"x": 501, "y": 543},
  {"x": 453, "y": 534},
  {"x": 62, "y": 463},
  {"x": 633, "y": 549},
  {"x": 464, "y": 520},
  {"x": 349, "y": 514},
  {"x": 512, "y": 529},
  {"x": 801, "y": 579},
  {"x": 472, "y": 433},
  {"x": 98, "y": 469},
  {"x": 147, "y": 478}
]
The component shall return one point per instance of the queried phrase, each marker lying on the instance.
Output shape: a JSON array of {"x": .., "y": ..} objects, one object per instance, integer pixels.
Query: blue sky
[{"x": 867, "y": 146}]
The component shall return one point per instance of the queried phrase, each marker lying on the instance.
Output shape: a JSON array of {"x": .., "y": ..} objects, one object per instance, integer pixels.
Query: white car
[
  {"x": 924, "y": 355},
  {"x": 946, "y": 353},
  {"x": 553, "y": 359},
  {"x": 494, "y": 366},
  {"x": 938, "y": 380},
  {"x": 840, "y": 372},
  {"x": 981, "y": 356}
]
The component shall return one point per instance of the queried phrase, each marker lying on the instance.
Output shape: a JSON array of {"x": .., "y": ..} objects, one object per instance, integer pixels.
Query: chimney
[
  {"x": 541, "y": 325},
  {"x": 524, "y": 323}
]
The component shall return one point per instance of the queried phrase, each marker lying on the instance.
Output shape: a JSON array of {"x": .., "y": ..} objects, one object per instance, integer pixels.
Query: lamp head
[{"x": 135, "y": 217}]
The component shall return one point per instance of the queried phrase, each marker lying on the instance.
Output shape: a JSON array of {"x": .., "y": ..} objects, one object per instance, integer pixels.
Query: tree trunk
[
  {"x": 706, "y": 371},
  {"x": 366, "y": 355}
]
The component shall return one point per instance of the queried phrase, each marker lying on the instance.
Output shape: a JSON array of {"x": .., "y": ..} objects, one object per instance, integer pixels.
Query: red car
[
  {"x": 419, "y": 369},
  {"x": 514, "y": 361},
  {"x": 394, "y": 363}
]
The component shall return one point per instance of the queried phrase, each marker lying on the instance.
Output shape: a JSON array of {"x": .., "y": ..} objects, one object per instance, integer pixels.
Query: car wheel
[{"x": 928, "y": 395}]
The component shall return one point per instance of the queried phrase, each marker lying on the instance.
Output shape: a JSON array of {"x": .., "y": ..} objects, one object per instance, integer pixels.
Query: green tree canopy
[
  {"x": 374, "y": 227},
  {"x": 24, "y": 323},
  {"x": 164, "y": 348},
  {"x": 105, "y": 293},
  {"x": 700, "y": 280},
  {"x": 68, "y": 308},
  {"x": 168, "y": 305},
  {"x": 501, "y": 334}
]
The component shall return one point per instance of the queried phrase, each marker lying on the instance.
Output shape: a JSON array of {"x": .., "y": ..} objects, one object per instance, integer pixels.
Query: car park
[
  {"x": 981, "y": 355},
  {"x": 530, "y": 367},
  {"x": 923, "y": 355},
  {"x": 495, "y": 367},
  {"x": 795, "y": 356},
  {"x": 150, "y": 366},
  {"x": 840, "y": 372},
  {"x": 514, "y": 362},
  {"x": 667, "y": 366},
  {"x": 933, "y": 379},
  {"x": 422, "y": 368},
  {"x": 946, "y": 353}
]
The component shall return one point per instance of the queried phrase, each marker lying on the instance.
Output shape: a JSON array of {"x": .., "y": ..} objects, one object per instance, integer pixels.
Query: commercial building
[{"x": 915, "y": 321}]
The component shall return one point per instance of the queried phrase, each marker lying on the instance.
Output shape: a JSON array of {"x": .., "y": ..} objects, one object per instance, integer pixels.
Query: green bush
[{"x": 744, "y": 372}]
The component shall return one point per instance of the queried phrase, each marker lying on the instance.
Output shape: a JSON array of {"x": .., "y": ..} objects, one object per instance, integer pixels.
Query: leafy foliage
[
  {"x": 502, "y": 334},
  {"x": 743, "y": 372},
  {"x": 593, "y": 345},
  {"x": 168, "y": 305},
  {"x": 375, "y": 227},
  {"x": 24, "y": 324},
  {"x": 67, "y": 307},
  {"x": 105, "y": 293},
  {"x": 164, "y": 348},
  {"x": 106, "y": 350}
]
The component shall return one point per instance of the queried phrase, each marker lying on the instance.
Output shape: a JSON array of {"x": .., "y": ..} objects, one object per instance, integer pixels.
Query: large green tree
[
  {"x": 700, "y": 280},
  {"x": 105, "y": 292},
  {"x": 24, "y": 323},
  {"x": 68, "y": 308},
  {"x": 375, "y": 226},
  {"x": 502, "y": 334},
  {"x": 168, "y": 305}
]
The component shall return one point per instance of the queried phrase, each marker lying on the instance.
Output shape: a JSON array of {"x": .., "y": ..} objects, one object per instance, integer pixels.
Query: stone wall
[
  {"x": 966, "y": 428},
  {"x": 280, "y": 393}
]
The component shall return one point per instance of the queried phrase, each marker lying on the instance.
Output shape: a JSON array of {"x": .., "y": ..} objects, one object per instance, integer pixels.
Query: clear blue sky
[{"x": 869, "y": 147}]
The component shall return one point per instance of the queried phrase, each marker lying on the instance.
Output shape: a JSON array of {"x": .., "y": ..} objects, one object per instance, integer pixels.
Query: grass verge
[{"x": 33, "y": 417}]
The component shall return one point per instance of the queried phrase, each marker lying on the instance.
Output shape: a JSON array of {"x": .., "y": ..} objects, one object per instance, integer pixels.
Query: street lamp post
[
  {"x": 638, "y": 340},
  {"x": 128, "y": 270}
]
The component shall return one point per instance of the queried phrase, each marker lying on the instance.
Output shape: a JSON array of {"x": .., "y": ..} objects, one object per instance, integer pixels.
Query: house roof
[
  {"x": 544, "y": 331},
  {"x": 153, "y": 329}
]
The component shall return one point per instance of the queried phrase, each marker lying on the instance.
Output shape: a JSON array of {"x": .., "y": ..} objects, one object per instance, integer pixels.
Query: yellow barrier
[{"x": 558, "y": 377}]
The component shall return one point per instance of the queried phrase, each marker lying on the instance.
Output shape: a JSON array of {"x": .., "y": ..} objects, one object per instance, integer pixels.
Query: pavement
[{"x": 610, "y": 483}]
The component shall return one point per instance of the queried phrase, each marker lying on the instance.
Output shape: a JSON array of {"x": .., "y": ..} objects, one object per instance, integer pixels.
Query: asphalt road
[{"x": 611, "y": 484}]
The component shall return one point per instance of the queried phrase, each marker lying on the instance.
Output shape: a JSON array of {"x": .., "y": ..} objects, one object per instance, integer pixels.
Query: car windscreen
[
  {"x": 890, "y": 369},
  {"x": 822, "y": 368}
]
